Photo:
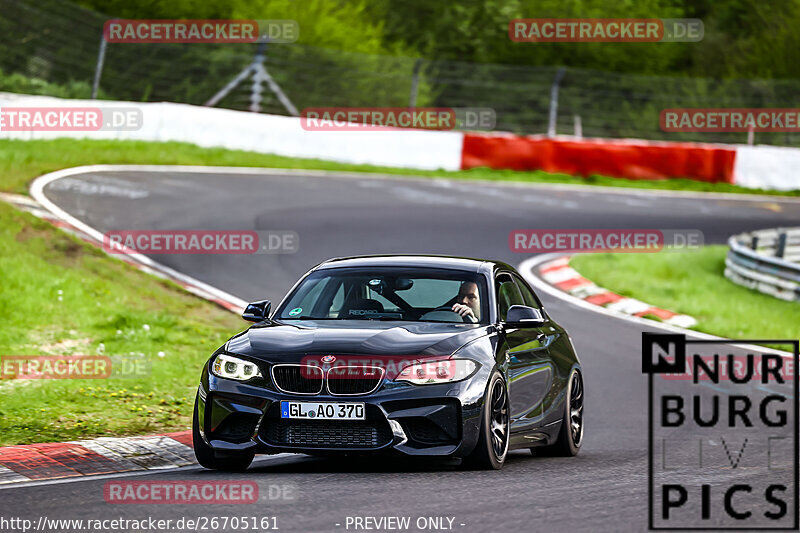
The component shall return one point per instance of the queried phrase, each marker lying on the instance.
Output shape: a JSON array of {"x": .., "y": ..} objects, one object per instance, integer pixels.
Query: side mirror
[
  {"x": 257, "y": 311},
  {"x": 525, "y": 316}
]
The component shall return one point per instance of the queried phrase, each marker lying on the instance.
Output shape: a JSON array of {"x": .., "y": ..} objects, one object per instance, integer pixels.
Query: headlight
[
  {"x": 446, "y": 371},
  {"x": 226, "y": 366}
]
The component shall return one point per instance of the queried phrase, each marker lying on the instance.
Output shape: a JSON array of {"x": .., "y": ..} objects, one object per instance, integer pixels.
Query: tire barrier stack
[{"x": 767, "y": 261}]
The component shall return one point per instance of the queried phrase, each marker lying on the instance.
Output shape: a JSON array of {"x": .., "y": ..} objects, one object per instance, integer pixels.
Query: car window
[
  {"x": 431, "y": 292},
  {"x": 507, "y": 295},
  {"x": 310, "y": 293},
  {"x": 337, "y": 302},
  {"x": 387, "y": 293},
  {"x": 527, "y": 294},
  {"x": 387, "y": 304}
]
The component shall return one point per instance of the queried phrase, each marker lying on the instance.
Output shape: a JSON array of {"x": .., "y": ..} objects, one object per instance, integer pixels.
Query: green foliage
[
  {"x": 340, "y": 24},
  {"x": 19, "y": 83},
  {"x": 743, "y": 38},
  {"x": 364, "y": 53}
]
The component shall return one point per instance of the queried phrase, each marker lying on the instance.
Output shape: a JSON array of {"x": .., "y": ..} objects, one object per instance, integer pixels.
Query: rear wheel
[
  {"x": 492, "y": 447},
  {"x": 570, "y": 436},
  {"x": 206, "y": 456}
]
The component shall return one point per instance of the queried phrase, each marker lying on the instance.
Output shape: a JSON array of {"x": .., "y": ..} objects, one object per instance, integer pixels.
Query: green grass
[
  {"x": 62, "y": 296},
  {"x": 692, "y": 283},
  {"x": 22, "y": 161}
]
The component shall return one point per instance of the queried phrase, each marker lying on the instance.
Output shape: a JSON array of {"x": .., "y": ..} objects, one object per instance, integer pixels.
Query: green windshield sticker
[{"x": 296, "y": 311}]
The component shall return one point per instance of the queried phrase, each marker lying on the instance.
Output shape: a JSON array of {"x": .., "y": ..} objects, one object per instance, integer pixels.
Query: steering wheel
[{"x": 469, "y": 319}]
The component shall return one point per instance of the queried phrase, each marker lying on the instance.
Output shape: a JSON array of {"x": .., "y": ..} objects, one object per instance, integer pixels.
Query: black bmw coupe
[{"x": 418, "y": 355}]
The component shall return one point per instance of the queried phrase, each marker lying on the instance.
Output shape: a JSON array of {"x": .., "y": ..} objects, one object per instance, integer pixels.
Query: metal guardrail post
[
  {"x": 412, "y": 98},
  {"x": 578, "y": 130},
  {"x": 754, "y": 242},
  {"x": 98, "y": 70},
  {"x": 780, "y": 249},
  {"x": 551, "y": 126}
]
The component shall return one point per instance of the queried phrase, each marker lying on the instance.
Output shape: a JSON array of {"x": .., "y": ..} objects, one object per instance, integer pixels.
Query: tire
[
  {"x": 492, "y": 448},
  {"x": 207, "y": 457},
  {"x": 570, "y": 439}
]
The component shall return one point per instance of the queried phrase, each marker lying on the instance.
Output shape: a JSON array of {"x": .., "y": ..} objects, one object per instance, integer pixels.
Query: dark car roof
[{"x": 421, "y": 261}]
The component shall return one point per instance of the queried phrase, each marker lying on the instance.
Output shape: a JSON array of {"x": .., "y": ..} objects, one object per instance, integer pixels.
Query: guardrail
[{"x": 767, "y": 261}]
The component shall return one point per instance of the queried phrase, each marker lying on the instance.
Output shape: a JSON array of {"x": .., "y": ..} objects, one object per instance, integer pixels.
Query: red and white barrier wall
[
  {"x": 767, "y": 167},
  {"x": 760, "y": 167},
  {"x": 756, "y": 167},
  {"x": 618, "y": 158},
  {"x": 272, "y": 134}
]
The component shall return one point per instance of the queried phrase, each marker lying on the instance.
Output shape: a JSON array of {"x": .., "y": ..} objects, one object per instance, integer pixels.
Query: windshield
[{"x": 419, "y": 295}]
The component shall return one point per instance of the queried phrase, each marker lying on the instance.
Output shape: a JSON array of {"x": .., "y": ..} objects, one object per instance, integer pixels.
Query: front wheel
[
  {"x": 207, "y": 458},
  {"x": 570, "y": 436},
  {"x": 492, "y": 448}
]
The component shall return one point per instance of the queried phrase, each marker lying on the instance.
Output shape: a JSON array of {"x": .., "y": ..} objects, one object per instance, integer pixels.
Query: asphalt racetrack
[{"x": 602, "y": 489}]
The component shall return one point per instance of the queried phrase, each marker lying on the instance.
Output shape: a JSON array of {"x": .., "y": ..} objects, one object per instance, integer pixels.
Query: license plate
[{"x": 322, "y": 410}]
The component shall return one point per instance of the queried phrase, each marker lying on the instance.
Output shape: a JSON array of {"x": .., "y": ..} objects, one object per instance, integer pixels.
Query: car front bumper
[{"x": 430, "y": 420}]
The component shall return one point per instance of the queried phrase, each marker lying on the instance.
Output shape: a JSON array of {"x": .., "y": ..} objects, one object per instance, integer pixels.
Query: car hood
[{"x": 282, "y": 342}]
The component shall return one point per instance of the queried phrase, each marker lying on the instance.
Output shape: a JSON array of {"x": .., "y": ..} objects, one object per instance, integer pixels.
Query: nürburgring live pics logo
[{"x": 722, "y": 443}]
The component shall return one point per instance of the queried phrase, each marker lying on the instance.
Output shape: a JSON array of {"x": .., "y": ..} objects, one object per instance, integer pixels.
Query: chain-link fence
[{"x": 52, "y": 47}]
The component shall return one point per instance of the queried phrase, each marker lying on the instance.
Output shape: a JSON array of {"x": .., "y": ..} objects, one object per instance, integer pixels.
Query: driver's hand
[{"x": 464, "y": 311}]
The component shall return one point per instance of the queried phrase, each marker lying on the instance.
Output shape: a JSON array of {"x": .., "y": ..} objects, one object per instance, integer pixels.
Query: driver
[{"x": 468, "y": 304}]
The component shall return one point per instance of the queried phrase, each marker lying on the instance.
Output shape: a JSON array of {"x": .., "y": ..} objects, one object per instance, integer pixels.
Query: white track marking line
[
  {"x": 37, "y": 191},
  {"x": 438, "y": 180},
  {"x": 526, "y": 269},
  {"x": 258, "y": 461},
  {"x": 9, "y": 476}
]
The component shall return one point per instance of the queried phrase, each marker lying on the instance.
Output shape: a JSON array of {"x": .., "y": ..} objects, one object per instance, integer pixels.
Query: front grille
[
  {"x": 352, "y": 380},
  {"x": 326, "y": 434},
  {"x": 298, "y": 379}
]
